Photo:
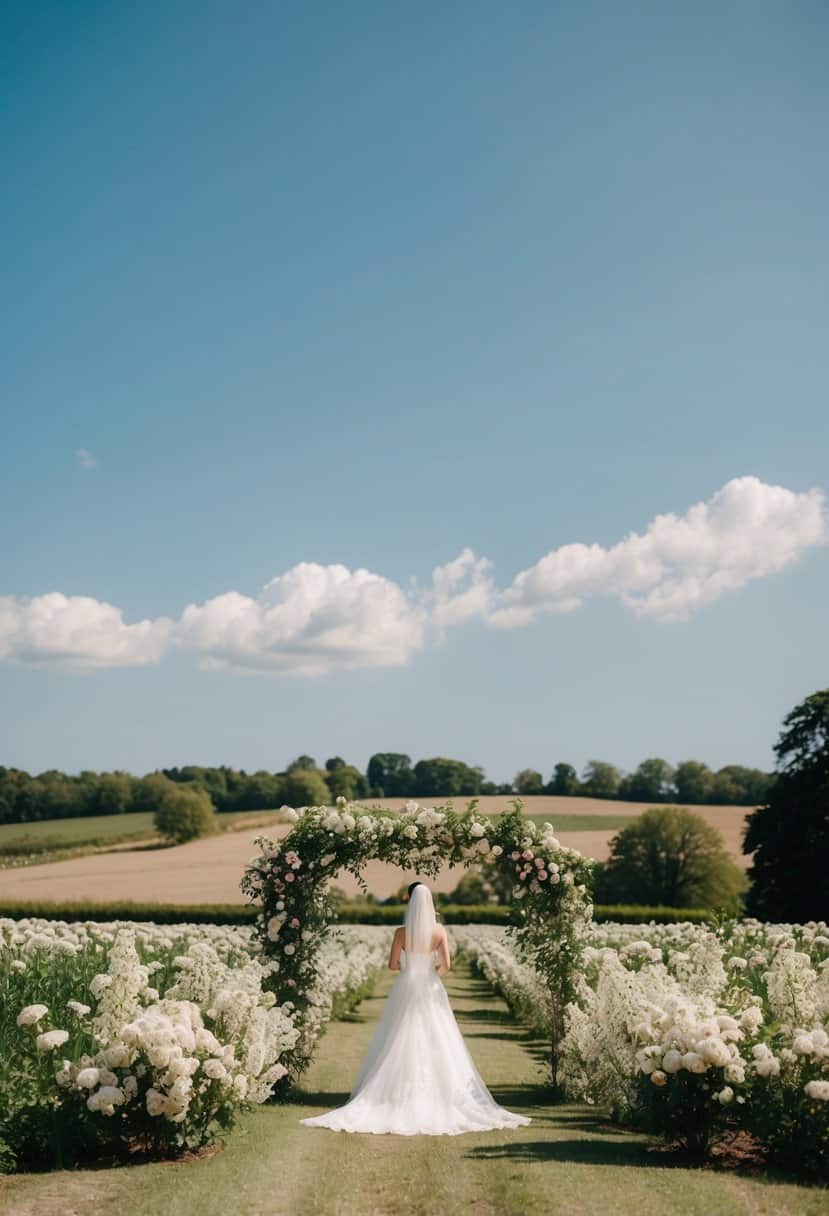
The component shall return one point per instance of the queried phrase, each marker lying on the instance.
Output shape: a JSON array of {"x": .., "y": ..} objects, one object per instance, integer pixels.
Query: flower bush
[
  {"x": 551, "y": 901},
  {"x": 127, "y": 1034},
  {"x": 693, "y": 1032}
]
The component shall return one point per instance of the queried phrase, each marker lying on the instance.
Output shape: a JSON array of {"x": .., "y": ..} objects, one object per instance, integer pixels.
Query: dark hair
[{"x": 412, "y": 887}]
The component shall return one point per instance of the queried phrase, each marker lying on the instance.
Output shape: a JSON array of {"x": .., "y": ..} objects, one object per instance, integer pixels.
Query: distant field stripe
[
  {"x": 586, "y": 823},
  {"x": 64, "y": 833}
]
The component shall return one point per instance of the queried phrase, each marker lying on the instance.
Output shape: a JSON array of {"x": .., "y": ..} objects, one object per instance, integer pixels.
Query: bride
[{"x": 418, "y": 1077}]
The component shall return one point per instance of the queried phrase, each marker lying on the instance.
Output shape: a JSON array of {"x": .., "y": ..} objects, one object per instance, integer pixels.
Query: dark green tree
[
  {"x": 651, "y": 782},
  {"x": 345, "y": 781},
  {"x": 693, "y": 782},
  {"x": 391, "y": 773},
  {"x": 789, "y": 836},
  {"x": 305, "y": 787},
  {"x": 302, "y": 762},
  {"x": 564, "y": 781},
  {"x": 441, "y": 777},
  {"x": 528, "y": 781},
  {"x": 600, "y": 780}
]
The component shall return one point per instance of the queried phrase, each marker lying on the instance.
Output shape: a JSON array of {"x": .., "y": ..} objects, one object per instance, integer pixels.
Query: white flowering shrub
[
  {"x": 692, "y": 1032},
  {"x": 551, "y": 909},
  {"x": 144, "y": 1035}
]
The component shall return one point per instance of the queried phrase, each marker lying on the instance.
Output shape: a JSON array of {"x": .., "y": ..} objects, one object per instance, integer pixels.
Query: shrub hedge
[{"x": 365, "y": 914}]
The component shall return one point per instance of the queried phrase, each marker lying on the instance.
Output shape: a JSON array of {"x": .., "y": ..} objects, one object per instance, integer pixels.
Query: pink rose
[
  {"x": 295, "y": 923},
  {"x": 542, "y": 874},
  {"x": 514, "y": 856},
  {"x": 289, "y": 877},
  {"x": 527, "y": 855}
]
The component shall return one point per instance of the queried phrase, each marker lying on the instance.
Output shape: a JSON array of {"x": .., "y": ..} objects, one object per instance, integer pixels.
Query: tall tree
[
  {"x": 600, "y": 780},
  {"x": 564, "y": 781},
  {"x": 789, "y": 836},
  {"x": 441, "y": 777},
  {"x": 693, "y": 782},
  {"x": 528, "y": 781},
  {"x": 670, "y": 855},
  {"x": 391, "y": 773},
  {"x": 651, "y": 782}
]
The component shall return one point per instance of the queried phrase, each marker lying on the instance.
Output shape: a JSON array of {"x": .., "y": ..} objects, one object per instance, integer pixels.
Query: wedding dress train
[{"x": 418, "y": 1077}]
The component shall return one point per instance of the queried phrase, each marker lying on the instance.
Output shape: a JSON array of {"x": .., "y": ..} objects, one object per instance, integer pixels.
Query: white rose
[
  {"x": 87, "y": 1078},
  {"x": 659, "y": 1078},
  {"x": 818, "y": 1090},
  {"x": 725, "y": 1096}
]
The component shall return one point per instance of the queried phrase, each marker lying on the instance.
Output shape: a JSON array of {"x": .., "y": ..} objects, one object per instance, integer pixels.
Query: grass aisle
[{"x": 565, "y": 1162}]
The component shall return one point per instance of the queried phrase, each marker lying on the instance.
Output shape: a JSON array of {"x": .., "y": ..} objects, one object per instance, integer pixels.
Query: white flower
[
  {"x": 77, "y": 1007},
  {"x": 818, "y": 1090},
  {"x": 87, "y": 1078},
  {"x": 725, "y": 1096},
  {"x": 51, "y": 1039},
  {"x": 477, "y": 829},
  {"x": 672, "y": 1061},
  {"x": 105, "y": 1099},
  {"x": 214, "y": 1069},
  {"x": 32, "y": 1014},
  {"x": 658, "y": 1077},
  {"x": 693, "y": 1062}
]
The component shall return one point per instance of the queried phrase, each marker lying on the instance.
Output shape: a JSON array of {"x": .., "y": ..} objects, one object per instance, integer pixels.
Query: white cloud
[
  {"x": 317, "y": 619},
  {"x": 308, "y": 622},
  {"x": 86, "y": 459},
  {"x": 745, "y": 531},
  {"x": 77, "y": 632},
  {"x": 461, "y": 590}
]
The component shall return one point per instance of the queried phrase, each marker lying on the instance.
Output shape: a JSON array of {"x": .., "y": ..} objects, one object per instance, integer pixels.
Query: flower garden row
[
  {"x": 691, "y": 1032},
  {"x": 127, "y": 1035}
]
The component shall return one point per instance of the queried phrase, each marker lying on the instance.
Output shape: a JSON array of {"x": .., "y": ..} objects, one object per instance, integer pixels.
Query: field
[
  {"x": 567, "y": 1161},
  {"x": 208, "y": 870}
]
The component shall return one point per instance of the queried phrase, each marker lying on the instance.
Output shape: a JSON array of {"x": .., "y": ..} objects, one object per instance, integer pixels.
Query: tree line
[{"x": 56, "y": 795}]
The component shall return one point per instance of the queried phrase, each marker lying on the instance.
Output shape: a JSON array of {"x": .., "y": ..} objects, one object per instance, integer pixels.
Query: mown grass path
[{"x": 567, "y": 1161}]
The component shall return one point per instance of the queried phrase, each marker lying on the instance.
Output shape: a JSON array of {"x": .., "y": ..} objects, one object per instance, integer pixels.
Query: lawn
[{"x": 567, "y": 1161}]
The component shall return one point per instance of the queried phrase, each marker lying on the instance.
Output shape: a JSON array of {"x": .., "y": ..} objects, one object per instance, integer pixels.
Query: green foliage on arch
[{"x": 551, "y": 893}]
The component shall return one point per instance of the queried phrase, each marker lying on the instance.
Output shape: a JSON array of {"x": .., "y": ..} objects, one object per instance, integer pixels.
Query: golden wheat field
[{"x": 208, "y": 870}]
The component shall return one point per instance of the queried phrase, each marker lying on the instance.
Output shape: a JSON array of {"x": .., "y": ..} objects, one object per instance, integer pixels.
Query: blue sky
[{"x": 363, "y": 286}]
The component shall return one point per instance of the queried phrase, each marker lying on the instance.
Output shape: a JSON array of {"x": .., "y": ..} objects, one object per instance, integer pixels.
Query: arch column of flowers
[{"x": 551, "y": 906}]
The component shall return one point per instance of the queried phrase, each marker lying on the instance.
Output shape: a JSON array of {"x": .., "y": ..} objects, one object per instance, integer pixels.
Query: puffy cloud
[
  {"x": 76, "y": 631},
  {"x": 461, "y": 589},
  {"x": 745, "y": 531},
  {"x": 312, "y": 620},
  {"x": 317, "y": 619}
]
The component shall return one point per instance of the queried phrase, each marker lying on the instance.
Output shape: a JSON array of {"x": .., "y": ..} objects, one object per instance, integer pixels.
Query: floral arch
[{"x": 551, "y": 893}]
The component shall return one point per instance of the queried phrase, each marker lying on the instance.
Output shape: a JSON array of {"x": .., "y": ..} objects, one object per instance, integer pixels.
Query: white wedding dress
[{"x": 418, "y": 1077}]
